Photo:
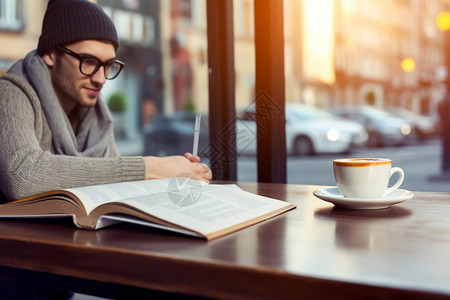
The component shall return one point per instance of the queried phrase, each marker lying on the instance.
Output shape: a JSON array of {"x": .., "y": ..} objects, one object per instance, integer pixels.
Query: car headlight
[
  {"x": 333, "y": 135},
  {"x": 406, "y": 129}
]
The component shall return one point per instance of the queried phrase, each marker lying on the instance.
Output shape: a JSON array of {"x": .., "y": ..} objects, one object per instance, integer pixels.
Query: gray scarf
[{"x": 95, "y": 131}]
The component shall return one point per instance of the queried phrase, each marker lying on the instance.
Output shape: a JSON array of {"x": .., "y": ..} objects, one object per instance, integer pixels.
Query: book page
[
  {"x": 93, "y": 196},
  {"x": 206, "y": 209}
]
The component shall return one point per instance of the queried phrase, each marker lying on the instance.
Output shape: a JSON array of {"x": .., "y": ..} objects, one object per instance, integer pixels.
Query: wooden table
[{"x": 313, "y": 252}]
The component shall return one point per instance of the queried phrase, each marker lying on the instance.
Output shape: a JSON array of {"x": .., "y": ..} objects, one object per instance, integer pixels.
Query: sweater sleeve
[{"x": 27, "y": 169}]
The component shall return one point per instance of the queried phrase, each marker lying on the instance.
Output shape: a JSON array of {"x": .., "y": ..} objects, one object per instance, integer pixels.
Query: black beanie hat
[{"x": 68, "y": 21}]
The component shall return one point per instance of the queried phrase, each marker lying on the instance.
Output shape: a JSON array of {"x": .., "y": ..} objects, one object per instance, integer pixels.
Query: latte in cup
[{"x": 365, "y": 177}]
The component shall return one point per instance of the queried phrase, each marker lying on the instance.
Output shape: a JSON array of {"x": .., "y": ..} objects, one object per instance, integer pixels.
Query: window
[
  {"x": 132, "y": 27},
  {"x": 12, "y": 15}
]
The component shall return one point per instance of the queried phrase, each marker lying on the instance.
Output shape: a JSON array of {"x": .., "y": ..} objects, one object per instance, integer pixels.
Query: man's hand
[
  {"x": 192, "y": 158},
  {"x": 171, "y": 166}
]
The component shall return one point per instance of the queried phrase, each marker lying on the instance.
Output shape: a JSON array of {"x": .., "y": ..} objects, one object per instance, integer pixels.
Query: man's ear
[{"x": 49, "y": 58}]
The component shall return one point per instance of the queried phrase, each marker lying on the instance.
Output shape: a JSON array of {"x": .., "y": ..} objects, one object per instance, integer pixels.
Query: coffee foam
[{"x": 360, "y": 162}]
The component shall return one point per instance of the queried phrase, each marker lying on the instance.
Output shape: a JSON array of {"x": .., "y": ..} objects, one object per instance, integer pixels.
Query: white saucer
[{"x": 334, "y": 196}]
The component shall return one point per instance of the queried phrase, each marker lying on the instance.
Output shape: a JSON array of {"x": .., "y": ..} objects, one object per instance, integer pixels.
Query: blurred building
[
  {"x": 379, "y": 52},
  {"x": 164, "y": 45},
  {"x": 138, "y": 25},
  {"x": 19, "y": 29},
  {"x": 382, "y": 52},
  {"x": 389, "y": 53}
]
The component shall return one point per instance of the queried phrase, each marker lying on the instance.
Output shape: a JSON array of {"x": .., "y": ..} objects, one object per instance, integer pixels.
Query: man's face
[{"x": 70, "y": 85}]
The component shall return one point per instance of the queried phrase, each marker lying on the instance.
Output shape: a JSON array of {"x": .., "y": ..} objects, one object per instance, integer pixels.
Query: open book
[{"x": 178, "y": 204}]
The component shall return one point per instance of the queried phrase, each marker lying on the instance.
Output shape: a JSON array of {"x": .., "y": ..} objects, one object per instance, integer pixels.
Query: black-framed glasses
[{"x": 90, "y": 64}]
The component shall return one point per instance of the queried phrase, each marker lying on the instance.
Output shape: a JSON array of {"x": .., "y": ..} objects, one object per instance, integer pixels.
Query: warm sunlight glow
[
  {"x": 348, "y": 6},
  {"x": 443, "y": 20},
  {"x": 408, "y": 64},
  {"x": 318, "y": 42}
]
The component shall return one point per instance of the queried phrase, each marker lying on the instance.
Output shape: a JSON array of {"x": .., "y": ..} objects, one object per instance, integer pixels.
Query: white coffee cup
[{"x": 365, "y": 177}]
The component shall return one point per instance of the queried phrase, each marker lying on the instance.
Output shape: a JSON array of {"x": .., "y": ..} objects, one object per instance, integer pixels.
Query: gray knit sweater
[{"x": 29, "y": 163}]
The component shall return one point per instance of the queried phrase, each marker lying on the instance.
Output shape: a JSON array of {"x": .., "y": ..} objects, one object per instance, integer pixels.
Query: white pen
[{"x": 196, "y": 133}]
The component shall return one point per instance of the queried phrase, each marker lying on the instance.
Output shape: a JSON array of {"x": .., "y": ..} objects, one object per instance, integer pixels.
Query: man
[{"x": 55, "y": 130}]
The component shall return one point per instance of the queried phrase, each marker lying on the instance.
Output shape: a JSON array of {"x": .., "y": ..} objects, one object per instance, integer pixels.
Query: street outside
[{"x": 421, "y": 162}]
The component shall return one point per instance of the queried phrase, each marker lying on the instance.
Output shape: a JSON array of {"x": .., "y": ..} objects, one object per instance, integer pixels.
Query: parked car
[
  {"x": 174, "y": 134},
  {"x": 421, "y": 126},
  {"x": 309, "y": 130},
  {"x": 383, "y": 128}
]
